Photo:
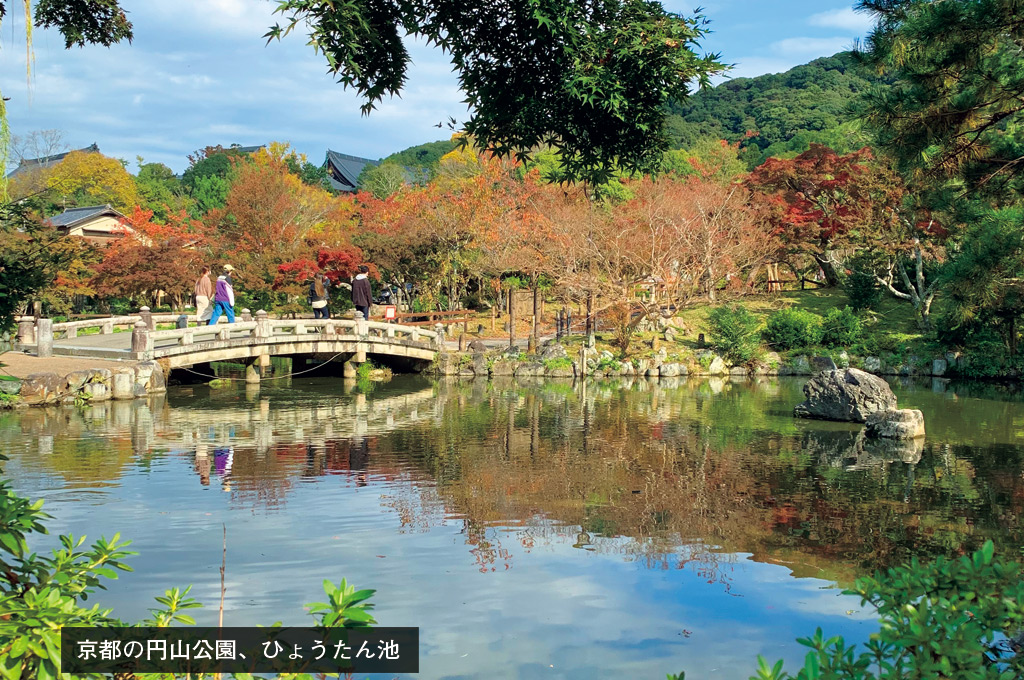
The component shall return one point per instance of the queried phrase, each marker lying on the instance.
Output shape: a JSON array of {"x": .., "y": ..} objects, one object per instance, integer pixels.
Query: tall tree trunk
[
  {"x": 511, "y": 318},
  {"x": 828, "y": 269},
  {"x": 590, "y": 314},
  {"x": 536, "y": 306},
  {"x": 919, "y": 295}
]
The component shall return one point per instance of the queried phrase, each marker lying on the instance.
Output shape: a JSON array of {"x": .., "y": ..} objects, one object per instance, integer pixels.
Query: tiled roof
[
  {"x": 70, "y": 218},
  {"x": 28, "y": 164},
  {"x": 343, "y": 170}
]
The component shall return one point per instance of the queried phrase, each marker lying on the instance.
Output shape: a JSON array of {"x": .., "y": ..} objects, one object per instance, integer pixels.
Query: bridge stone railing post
[
  {"x": 141, "y": 340},
  {"x": 44, "y": 338},
  {"x": 439, "y": 340},
  {"x": 246, "y": 315},
  {"x": 361, "y": 328},
  {"x": 26, "y": 331},
  {"x": 147, "y": 317},
  {"x": 262, "y": 329}
]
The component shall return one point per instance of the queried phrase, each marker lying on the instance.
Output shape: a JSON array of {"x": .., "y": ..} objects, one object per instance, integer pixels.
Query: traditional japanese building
[
  {"x": 31, "y": 164},
  {"x": 99, "y": 224},
  {"x": 343, "y": 170}
]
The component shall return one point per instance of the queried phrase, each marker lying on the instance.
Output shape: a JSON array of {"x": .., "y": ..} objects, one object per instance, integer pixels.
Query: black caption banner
[{"x": 240, "y": 650}]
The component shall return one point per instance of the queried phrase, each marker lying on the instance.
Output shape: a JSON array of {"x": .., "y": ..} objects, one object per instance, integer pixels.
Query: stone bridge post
[
  {"x": 439, "y": 340},
  {"x": 26, "y": 331},
  {"x": 142, "y": 343},
  {"x": 262, "y": 331},
  {"x": 246, "y": 315},
  {"x": 147, "y": 317},
  {"x": 44, "y": 338}
]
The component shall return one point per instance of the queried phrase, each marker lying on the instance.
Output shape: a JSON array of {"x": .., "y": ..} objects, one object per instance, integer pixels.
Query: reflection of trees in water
[{"x": 673, "y": 477}]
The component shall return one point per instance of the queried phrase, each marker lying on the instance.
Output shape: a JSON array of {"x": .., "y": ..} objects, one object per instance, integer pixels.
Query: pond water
[{"x": 535, "y": 530}]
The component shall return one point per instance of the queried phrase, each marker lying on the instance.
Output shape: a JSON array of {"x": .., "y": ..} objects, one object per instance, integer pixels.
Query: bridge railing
[{"x": 145, "y": 340}]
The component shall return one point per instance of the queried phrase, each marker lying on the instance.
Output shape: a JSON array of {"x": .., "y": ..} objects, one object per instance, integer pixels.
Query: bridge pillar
[
  {"x": 263, "y": 361},
  {"x": 147, "y": 317},
  {"x": 252, "y": 371},
  {"x": 349, "y": 369},
  {"x": 44, "y": 338}
]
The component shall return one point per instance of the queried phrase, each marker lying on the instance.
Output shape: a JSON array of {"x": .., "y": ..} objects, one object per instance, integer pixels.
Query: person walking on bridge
[
  {"x": 362, "y": 294},
  {"x": 224, "y": 298},
  {"x": 319, "y": 295},
  {"x": 204, "y": 292}
]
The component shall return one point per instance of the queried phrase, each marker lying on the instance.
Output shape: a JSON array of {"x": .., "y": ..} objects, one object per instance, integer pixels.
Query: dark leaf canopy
[
  {"x": 98, "y": 22},
  {"x": 589, "y": 78},
  {"x": 956, "y": 110}
]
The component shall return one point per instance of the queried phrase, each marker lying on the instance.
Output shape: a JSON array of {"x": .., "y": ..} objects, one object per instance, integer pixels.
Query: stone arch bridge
[{"x": 252, "y": 341}]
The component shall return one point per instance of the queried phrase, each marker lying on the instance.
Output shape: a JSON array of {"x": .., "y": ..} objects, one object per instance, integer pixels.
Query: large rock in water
[
  {"x": 907, "y": 423},
  {"x": 845, "y": 394}
]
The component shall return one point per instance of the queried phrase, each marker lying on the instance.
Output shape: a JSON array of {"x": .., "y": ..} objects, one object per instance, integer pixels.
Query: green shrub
[
  {"x": 863, "y": 290},
  {"x": 792, "y": 328},
  {"x": 953, "y": 618},
  {"x": 841, "y": 328},
  {"x": 561, "y": 362},
  {"x": 734, "y": 333}
]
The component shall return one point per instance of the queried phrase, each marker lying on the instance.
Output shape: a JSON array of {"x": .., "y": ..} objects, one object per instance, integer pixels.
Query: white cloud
[
  {"x": 809, "y": 48},
  {"x": 844, "y": 18}
]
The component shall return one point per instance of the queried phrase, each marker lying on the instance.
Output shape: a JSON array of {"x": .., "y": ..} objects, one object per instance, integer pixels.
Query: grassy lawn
[{"x": 892, "y": 327}]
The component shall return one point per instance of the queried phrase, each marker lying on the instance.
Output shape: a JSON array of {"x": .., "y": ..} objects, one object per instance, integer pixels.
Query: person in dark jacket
[
  {"x": 362, "y": 294},
  {"x": 319, "y": 296}
]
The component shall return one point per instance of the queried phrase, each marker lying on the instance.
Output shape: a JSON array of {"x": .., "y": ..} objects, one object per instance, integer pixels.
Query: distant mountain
[{"x": 808, "y": 103}]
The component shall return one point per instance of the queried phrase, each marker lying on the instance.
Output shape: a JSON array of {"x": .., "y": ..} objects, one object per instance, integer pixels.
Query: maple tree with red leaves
[
  {"x": 153, "y": 259},
  {"x": 819, "y": 197}
]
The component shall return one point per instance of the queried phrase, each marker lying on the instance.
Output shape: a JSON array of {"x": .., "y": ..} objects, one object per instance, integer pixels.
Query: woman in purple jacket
[{"x": 224, "y": 297}]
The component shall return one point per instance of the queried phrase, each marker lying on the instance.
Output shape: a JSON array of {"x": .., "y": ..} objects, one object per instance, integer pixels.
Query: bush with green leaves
[
  {"x": 734, "y": 333},
  {"x": 863, "y": 290},
  {"x": 39, "y": 594},
  {"x": 953, "y": 618},
  {"x": 792, "y": 328},
  {"x": 841, "y": 328}
]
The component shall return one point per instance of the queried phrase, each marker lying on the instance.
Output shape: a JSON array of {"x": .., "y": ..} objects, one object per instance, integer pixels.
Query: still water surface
[{"x": 530, "y": 530}]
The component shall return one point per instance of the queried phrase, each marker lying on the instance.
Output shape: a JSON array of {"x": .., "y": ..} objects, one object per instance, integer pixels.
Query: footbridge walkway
[{"x": 252, "y": 340}]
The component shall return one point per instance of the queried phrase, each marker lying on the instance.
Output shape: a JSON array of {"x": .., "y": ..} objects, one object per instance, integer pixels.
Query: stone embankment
[
  {"x": 114, "y": 380},
  {"x": 554, "y": 361}
]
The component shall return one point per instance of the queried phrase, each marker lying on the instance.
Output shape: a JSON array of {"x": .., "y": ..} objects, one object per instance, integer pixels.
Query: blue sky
[{"x": 198, "y": 73}]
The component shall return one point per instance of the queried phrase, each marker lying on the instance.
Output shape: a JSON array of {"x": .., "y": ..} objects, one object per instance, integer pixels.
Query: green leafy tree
[
  {"x": 382, "y": 180},
  {"x": 590, "y": 79},
  {"x": 734, "y": 333},
  {"x": 31, "y": 257},
  {"x": 985, "y": 280},
  {"x": 956, "y": 109},
  {"x": 160, "y": 189}
]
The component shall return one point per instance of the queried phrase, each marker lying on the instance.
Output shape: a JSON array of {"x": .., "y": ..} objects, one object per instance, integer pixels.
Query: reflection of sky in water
[
  {"x": 557, "y": 612},
  {"x": 548, "y": 609}
]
